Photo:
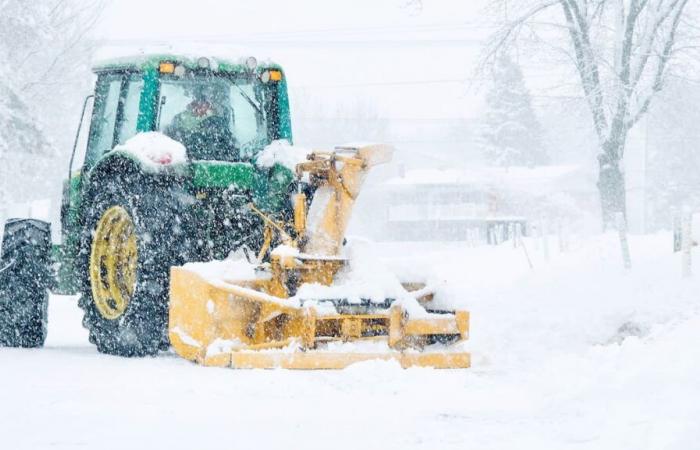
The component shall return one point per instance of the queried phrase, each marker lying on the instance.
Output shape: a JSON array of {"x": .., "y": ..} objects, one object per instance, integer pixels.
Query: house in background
[{"x": 485, "y": 203}]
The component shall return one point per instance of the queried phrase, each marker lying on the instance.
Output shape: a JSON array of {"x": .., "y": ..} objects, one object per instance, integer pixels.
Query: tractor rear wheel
[
  {"x": 133, "y": 231},
  {"x": 25, "y": 278}
]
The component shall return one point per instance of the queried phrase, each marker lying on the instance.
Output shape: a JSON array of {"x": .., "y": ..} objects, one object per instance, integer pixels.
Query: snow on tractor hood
[
  {"x": 283, "y": 153},
  {"x": 154, "y": 150}
]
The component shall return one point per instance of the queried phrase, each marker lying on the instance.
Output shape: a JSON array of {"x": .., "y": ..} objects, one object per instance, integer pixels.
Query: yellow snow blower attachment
[{"x": 292, "y": 312}]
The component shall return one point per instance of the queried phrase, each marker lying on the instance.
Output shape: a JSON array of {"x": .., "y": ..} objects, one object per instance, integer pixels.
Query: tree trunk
[{"x": 611, "y": 186}]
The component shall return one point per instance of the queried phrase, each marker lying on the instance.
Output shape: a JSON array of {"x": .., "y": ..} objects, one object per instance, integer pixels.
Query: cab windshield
[{"x": 215, "y": 117}]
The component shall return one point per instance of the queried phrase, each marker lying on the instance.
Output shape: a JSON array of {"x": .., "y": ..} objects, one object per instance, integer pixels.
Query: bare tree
[{"x": 621, "y": 50}]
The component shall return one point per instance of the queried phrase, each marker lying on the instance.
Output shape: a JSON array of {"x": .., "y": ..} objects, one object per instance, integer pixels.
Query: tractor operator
[{"x": 204, "y": 127}]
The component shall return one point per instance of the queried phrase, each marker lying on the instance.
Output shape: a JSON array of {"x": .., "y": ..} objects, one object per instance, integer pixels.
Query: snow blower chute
[{"x": 291, "y": 312}]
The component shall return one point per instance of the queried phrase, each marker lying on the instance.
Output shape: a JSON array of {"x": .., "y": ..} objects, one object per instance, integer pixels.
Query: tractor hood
[
  {"x": 155, "y": 154},
  {"x": 268, "y": 186}
]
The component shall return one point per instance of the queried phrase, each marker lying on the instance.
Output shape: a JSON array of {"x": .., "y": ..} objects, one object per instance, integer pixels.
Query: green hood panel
[
  {"x": 218, "y": 174},
  {"x": 268, "y": 186}
]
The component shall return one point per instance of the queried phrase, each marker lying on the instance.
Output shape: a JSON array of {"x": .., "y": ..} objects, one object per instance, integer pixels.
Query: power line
[
  {"x": 296, "y": 43},
  {"x": 382, "y": 83},
  {"x": 276, "y": 37},
  {"x": 445, "y": 26},
  {"x": 396, "y": 119},
  {"x": 383, "y": 35},
  {"x": 422, "y": 82}
]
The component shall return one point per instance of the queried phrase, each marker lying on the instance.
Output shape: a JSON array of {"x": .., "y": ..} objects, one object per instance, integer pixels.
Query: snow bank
[
  {"x": 537, "y": 178},
  {"x": 283, "y": 153},
  {"x": 154, "y": 149}
]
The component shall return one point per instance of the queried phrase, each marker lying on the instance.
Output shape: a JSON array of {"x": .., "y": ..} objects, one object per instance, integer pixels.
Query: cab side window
[
  {"x": 130, "y": 109},
  {"x": 104, "y": 117}
]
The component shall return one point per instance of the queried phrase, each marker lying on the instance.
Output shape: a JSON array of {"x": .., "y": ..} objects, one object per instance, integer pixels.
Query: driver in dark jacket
[{"x": 203, "y": 129}]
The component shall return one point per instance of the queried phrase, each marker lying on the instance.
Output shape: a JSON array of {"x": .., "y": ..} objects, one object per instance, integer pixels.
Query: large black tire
[
  {"x": 161, "y": 242},
  {"x": 25, "y": 278}
]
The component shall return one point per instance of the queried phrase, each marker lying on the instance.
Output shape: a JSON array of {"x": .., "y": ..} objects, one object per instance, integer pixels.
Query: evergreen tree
[{"x": 511, "y": 133}]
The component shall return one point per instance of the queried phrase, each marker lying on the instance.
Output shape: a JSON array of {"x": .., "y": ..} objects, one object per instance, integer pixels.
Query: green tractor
[{"x": 135, "y": 207}]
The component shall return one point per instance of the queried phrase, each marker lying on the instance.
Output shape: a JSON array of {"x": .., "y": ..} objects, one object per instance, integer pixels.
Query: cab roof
[{"x": 152, "y": 62}]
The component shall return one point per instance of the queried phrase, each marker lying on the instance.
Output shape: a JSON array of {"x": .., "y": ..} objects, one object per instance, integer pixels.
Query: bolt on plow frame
[{"x": 290, "y": 311}]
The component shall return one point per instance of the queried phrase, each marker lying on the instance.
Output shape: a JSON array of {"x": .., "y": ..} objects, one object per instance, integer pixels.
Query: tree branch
[
  {"x": 586, "y": 65},
  {"x": 661, "y": 67}
]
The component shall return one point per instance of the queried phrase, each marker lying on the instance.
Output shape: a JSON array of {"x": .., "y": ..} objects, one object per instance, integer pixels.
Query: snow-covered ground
[{"x": 574, "y": 353}]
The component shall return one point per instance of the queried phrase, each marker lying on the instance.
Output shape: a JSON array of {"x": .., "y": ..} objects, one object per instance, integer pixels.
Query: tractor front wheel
[{"x": 133, "y": 228}]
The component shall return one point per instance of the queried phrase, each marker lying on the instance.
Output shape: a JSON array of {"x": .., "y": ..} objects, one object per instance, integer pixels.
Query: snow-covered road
[{"x": 575, "y": 353}]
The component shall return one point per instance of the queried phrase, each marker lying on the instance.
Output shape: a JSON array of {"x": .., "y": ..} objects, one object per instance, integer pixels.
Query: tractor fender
[
  {"x": 117, "y": 165},
  {"x": 122, "y": 157},
  {"x": 123, "y": 167}
]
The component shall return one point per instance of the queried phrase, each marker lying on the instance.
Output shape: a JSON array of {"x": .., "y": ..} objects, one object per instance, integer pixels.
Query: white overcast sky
[
  {"x": 406, "y": 63},
  {"x": 208, "y": 17}
]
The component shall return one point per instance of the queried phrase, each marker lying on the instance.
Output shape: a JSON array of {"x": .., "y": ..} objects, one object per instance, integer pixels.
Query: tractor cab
[
  {"x": 224, "y": 112},
  {"x": 219, "y": 110}
]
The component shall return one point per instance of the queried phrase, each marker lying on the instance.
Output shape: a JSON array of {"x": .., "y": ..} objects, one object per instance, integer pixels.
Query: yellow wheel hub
[{"x": 113, "y": 262}]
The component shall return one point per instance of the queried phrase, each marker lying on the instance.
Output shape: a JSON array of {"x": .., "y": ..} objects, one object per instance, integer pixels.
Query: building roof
[{"x": 540, "y": 179}]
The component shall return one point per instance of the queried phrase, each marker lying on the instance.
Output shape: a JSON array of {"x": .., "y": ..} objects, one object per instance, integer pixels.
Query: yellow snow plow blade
[
  {"x": 231, "y": 325},
  {"x": 261, "y": 316}
]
